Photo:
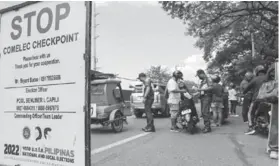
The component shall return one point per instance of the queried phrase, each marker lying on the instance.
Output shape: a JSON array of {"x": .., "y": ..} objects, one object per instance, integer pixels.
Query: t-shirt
[
  {"x": 174, "y": 98},
  {"x": 150, "y": 95},
  {"x": 232, "y": 94},
  {"x": 217, "y": 92}
]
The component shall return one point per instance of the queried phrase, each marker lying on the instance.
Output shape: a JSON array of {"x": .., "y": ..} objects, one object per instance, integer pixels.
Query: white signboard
[{"x": 42, "y": 85}]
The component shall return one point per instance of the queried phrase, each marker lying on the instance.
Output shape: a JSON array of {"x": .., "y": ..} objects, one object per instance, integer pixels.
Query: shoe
[
  {"x": 173, "y": 129},
  {"x": 206, "y": 130},
  {"x": 176, "y": 127},
  {"x": 250, "y": 131},
  {"x": 149, "y": 130},
  {"x": 143, "y": 129},
  {"x": 153, "y": 129},
  {"x": 273, "y": 155},
  {"x": 214, "y": 125}
]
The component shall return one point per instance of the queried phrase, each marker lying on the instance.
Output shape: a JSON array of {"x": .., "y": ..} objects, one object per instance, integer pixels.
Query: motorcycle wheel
[{"x": 191, "y": 127}]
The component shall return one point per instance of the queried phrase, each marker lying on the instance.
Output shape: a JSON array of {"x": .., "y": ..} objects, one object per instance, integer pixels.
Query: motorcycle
[
  {"x": 262, "y": 118},
  {"x": 186, "y": 118}
]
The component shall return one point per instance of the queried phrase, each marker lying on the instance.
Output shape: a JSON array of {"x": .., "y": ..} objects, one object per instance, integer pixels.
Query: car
[
  {"x": 159, "y": 106},
  {"x": 107, "y": 103}
]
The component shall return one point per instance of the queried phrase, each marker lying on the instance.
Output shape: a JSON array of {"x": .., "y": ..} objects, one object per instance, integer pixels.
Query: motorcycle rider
[
  {"x": 187, "y": 100},
  {"x": 254, "y": 86},
  {"x": 174, "y": 97},
  {"x": 247, "y": 97}
]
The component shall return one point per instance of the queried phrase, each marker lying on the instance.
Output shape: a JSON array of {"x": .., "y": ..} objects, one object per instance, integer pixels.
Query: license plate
[
  {"x": 188, "y": 111},
  {"x": 93, "y": 110}
]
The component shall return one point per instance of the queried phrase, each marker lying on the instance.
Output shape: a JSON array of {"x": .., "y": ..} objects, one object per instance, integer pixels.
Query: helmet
[
  {"x": 249, "y": 75},
  {"x": 181, "y": 84},
  {"x": 216, "y": 78},
  {"x": 258, "y": 69},
  {"x": 177, "y": 74}
]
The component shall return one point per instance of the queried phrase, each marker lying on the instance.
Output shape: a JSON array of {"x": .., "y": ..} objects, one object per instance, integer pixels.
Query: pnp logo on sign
[
  {"x": 26, "y": 133},
  {"x": 61, "y": 12}
]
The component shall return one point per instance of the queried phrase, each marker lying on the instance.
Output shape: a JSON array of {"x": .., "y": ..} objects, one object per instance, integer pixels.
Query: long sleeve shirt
[
  {"x": 255, "y": 86},
  {"x": 243, "y": 85}
]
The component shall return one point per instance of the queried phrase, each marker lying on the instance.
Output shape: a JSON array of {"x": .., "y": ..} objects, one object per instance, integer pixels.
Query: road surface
[{"x": 225, "y": 146}]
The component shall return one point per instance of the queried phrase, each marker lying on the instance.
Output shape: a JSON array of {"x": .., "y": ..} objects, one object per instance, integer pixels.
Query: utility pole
[{"x": 95, "y": 36}]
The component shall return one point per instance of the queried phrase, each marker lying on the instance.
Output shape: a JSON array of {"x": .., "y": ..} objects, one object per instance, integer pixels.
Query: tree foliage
[
  {"x": 223, "y": 30},
  {"x": 159, "y": 74},
  {"x": 162, "y": 75}
]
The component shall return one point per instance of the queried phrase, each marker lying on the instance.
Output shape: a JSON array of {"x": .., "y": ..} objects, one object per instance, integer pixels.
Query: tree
[
  {"x": 223, "y": 30},
  {"x": 159, "y": 74}
]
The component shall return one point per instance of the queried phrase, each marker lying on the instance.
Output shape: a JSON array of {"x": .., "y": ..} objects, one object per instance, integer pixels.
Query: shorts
[
  {"x": 217, "y": 105},
  {"x": 174, "y": 109}
]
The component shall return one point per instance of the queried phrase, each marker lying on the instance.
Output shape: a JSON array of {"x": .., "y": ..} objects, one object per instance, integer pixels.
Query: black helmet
[
  {"x": 249, "y": 75},
  {"x": 216, "y": 78},
  {"x": 259, "y": 68},
  {"x": 177, "y": 74}
]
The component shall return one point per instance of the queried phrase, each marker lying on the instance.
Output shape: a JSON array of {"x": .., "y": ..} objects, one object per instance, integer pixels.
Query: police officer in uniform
[{"x": 205, "y": 98}]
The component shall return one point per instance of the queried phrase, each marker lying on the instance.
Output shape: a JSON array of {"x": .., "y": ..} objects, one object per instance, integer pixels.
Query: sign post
[{"x": 45, "y": 51}]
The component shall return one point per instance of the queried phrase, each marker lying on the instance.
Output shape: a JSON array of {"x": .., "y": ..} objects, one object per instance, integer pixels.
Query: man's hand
[{"x": 187, "y": 95}]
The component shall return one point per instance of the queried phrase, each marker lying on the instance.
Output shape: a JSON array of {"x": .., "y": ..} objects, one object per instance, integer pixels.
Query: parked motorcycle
[{"x": 186, "y": 117}]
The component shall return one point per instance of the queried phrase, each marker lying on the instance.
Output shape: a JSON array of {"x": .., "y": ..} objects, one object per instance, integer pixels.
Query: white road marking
[{"x": 126, "y": 140}]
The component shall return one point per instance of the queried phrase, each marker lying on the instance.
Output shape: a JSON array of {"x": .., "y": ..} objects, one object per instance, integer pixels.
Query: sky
[{"x": 136, "y": 35}]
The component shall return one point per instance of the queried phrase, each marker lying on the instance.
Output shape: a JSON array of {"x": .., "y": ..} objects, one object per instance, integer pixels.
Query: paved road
[{"x": 225, "y": 146}]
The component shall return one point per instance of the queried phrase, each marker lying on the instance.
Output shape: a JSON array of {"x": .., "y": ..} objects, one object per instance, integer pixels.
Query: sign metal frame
[{"x": 87, "y": 60}]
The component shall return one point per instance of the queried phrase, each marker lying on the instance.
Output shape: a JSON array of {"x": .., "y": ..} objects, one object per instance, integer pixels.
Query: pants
[
  {"x": 273, "y": 131},
  {"x": 251, "y": 113},
  {"x": 205, "y": 109},
  {"x": 193, "y": 108},
  {"x": 245, "y": 108},
  {"x": 217, "y": 115},
  {"x": 174, "y": 110},
  {"x": 233, "y": 106},
  {"x": 253, "y": 109},
  {"x": 226, "y": 107},
  {"x": 148, "y": 111}
]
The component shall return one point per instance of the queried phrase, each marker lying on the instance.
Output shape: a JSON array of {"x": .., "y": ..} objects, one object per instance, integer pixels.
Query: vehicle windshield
[{"x": 98, "y": 94}]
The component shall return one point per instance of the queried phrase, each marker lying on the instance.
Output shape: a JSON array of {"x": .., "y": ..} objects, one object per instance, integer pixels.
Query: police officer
[
  {"x": 206, "y": 99},
  {"x": 148, "y": 99}
]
